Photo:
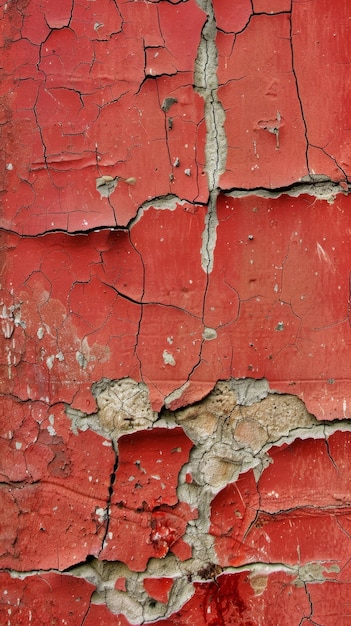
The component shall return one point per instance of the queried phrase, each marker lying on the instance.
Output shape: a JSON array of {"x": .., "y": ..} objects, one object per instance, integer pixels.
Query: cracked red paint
[
  {"x": 231, "y": 21},
  {"x": 158, "y": 588},
  {"x": 99, "y": 614},
  {"x": 297, "y": 513},
  {"x": 263, "y": 112},
  {"x": 132, "y": 134},
  {"x": 53, "y": 486},
  {"x": 144, "y": 508},
  {"x": 76, "y": 105},
  {"x": 330, "y": 603},
  {"x": 44, "y": 599},
  {"x": 327, "y": 127},
  {"x": 292, "y": 281},
  {"x": 280, "y": 312},
  {"x": 310, "y": 135},
  {"x": 231, "y": 599}
]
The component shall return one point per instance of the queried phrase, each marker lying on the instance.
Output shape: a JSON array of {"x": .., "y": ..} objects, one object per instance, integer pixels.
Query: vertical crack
[
  {"x": 110, "y": 494},
  {"x": 141, "y": 307},
  {"x": 206, "y": 84},
  {"x": 308, "y": 143},
  {"x": 209, "y": 235},
  {"x": 298, "y": 92},
  {"x": 328, "y": 450},
  {"x": 308, "y": 617}
]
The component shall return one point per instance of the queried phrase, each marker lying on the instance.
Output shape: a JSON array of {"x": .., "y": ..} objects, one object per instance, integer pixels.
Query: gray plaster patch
[{"x": 123, "y": 406}]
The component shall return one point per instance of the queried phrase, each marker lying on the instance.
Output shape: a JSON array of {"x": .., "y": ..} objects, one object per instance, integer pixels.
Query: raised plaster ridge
[{"x": 206, "y": 84}]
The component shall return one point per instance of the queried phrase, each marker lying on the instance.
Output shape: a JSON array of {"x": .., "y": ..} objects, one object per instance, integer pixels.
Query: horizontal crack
[{"x": 318, "y": 187}]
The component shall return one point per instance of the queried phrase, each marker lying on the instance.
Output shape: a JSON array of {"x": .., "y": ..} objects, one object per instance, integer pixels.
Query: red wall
[{"x": 175, "y": 285}]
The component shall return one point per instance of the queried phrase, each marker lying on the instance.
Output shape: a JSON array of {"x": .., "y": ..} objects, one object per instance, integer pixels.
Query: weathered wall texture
[{"x": 175, "y": 365}]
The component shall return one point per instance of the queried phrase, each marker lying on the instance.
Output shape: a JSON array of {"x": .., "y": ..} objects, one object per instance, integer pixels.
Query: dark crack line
[
  {"x": 110, "y": 495},
  {"x": 308, "y": 595},
  {"x": 85, "y": 616},
  {"x": 253, "y": 14},
  {"x": 48, "y": 485},
  {"x": 298, "y": 91},
  {"x": 141, "y": 307},
  {"x": 168, "y": 125},
  {"x": 334, "y": 161},
  {"x": 310, "y": 187},
  {"x": 331, "y": 510}
]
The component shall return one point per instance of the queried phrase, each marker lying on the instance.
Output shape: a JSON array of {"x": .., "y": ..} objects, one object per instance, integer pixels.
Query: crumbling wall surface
[{"x": 175, "y": 312}]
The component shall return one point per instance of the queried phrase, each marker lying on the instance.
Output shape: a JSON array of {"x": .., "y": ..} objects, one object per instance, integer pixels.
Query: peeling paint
[{"x": 175, "y": 312}]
